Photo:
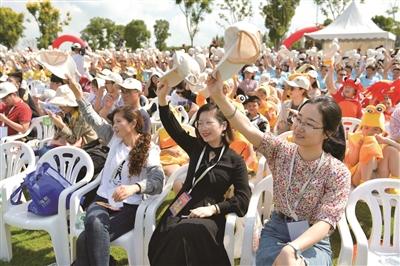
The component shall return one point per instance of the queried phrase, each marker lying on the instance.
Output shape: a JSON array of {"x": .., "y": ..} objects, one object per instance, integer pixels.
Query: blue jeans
[
  {"x": 275, "y": 234},
  {"x": 102, "y": 226}
]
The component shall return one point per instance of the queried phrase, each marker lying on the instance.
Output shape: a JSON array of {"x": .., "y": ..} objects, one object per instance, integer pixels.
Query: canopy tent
[{"x": 352, "y": 25}]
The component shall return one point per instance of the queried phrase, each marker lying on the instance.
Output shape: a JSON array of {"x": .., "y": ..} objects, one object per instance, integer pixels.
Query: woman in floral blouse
[{"x": 311, "y": 184}]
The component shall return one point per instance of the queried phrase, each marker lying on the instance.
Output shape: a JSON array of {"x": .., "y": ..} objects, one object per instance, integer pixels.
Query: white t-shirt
[{"x": 112, "y": 178}]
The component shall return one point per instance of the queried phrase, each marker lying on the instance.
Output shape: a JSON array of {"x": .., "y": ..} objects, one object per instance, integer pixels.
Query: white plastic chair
[
  {"x": 260, "y": 208},
  {"x": 43, "y": 130},
  {"x": 131, "y": 241},
  {"x": 380, "y": 248},
  {"x": 350, "y": 124},
  {"x": 285, "y": 135},
  {"x": 69, "y": 161},
  {"x": 346, "y": 249},
  {"x": 150, "y": 218},
  {"x": 17, "y": 158}
]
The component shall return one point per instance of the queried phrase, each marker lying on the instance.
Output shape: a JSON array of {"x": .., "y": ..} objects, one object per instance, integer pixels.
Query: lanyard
[
  {"x": 195, "y": 182},
  {"x": 292, "y": 213}
]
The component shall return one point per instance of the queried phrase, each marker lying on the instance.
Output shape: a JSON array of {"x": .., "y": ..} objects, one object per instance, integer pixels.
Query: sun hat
[
  {"x": 107, "y": 74},
  {"x": 6, "y": 88},
  {"x": 250, "y": 69},
  {"x": 130, "y": 71},
  {"x": 299, "y": 82},
  {"x": 57, "y": 62},
  {"x": 184, "y": 67},
  {"x": 313, "y": 73},
  {"x": 131, "y": 84},
  {"x": 242, "y": 46},
  {"x": 64, "y": 97},
  {"x": 3, "y": 78}
]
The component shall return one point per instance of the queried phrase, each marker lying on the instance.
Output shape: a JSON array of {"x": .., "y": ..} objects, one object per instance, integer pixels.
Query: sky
[{"x": 123, "y": 11}]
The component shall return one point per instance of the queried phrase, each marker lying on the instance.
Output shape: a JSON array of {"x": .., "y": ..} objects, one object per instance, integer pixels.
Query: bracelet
[
  {"x": 217, "y": 209},
  {"x": 232, "y": 115}
]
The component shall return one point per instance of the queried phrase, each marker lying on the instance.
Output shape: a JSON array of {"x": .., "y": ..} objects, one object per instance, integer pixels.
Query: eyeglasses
[
  {"x": 306, "y": 125},
  {"x": 204, "y": 124}
]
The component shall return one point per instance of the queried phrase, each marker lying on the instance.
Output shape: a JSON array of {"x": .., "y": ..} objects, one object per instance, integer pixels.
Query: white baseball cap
[
  {"x": 131, "y": 84},
  {"x": 6, "y": 88}
]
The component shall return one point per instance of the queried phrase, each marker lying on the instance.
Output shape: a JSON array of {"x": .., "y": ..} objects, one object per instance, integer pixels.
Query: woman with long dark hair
[
  {"x": 311, "y": 184},
  {"x": 191, "y": 231},
  {"x": 132, "y": 168}
]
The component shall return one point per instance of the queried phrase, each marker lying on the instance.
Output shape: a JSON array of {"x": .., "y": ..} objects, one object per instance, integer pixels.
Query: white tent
[{"x": 351, "y": 25}]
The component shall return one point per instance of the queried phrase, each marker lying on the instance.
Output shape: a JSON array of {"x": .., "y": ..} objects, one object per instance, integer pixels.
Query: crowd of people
[{"x": 135, "y": 103}]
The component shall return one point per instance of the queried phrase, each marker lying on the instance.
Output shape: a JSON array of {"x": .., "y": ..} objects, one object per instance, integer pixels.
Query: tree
[
  {"x": 332, "y": 8},
  {"x": 194, "y": 11},
  {"x": 232, "y": 11},
  {"x": 278, "y": 14},
  {"x": 161, "y": 28},
  {"x": 48, "y": 19},
  {"x": 11, "y": 26},
  {"x": 388, "y": 24},
  {"x": 136, "y": 34},
  {"x": 100, "y": 32}
]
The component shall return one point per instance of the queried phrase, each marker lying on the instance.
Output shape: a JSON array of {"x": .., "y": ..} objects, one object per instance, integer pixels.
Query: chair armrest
[
  {"x": 14, "y": 137},
  {"x": 75, "y": 201},
  {"x": 346, "y": 249},
  {"x": 362, "y": 241},
  {"x": 8, "y": 186},
  {"x": 229, "y": 236}
]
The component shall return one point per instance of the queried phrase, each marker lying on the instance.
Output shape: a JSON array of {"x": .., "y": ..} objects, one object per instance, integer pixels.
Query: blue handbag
[{"x": 44, "y": 185}]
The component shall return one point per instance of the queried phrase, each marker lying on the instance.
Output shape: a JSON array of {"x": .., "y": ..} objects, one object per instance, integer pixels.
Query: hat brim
[
  {"x": 294, "y": 84},
  {"x": 4, "y": 94},
  {"x": 68, "y": 68},
  {"x": 172, "y": 77},
  {"x": 61, "y": 101}
]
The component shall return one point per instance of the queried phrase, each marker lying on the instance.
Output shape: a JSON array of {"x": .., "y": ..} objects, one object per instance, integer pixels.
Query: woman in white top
[{"x": 132, "y": 168}]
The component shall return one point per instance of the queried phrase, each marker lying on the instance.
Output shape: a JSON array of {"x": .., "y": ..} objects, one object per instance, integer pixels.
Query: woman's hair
[
  {"x": 335, "y": 144},
  {"x": 140, "y": 151},
  {"x": 227, "y": 136}
]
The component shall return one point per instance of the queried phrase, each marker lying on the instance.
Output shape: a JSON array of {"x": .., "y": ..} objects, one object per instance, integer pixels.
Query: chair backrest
[
  {"x": 260, "y": 208},
  {"x": 42, "y": 125},
  {"x": 15, "y": 157},
  {"x": 69, "y": 161},
  {"x": 350, "y": 124},
  {"x": 285, "y": 135},
  {"x": 382, "y": 204}
]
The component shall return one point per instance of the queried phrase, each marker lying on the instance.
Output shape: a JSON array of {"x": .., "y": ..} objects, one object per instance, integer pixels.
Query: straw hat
[{"x": 242, "y": 46}]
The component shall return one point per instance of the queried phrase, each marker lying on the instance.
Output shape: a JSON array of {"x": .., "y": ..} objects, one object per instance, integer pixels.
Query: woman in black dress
[{"x": 191, "y": 231}]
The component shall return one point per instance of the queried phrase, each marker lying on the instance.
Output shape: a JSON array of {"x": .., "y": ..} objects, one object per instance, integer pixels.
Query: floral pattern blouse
[
  {"x": 324, "y": 198},
  {"x": 395, "y": 123}
]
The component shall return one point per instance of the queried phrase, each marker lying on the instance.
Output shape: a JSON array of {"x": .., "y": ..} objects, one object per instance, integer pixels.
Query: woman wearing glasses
[
  {"x": 311, "y": 184},
  {"x": 132, "y": 168},
  {"x": 192, "y": 228}
]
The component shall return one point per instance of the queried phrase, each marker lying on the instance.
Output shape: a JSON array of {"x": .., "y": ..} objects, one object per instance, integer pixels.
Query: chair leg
[
  {"x": 61, "y": 247},
  {"x": 5, "y": 241}
]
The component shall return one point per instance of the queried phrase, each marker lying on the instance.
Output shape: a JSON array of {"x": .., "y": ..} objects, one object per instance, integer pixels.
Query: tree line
[{"x": 103, "y": 32}]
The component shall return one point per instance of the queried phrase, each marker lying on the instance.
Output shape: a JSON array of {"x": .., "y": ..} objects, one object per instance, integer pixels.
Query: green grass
[{"x": 34, "y": 248}]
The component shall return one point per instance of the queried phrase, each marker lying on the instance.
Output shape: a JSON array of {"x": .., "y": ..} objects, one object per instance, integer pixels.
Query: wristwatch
[{"x": 297, "y": 251}]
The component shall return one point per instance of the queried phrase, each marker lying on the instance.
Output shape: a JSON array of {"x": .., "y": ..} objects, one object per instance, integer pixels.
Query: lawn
[{"x": 34, "y": 248}]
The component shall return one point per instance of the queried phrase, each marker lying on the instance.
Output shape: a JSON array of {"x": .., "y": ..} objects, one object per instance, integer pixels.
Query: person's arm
[
  {"x": 98, "y": 100},
  {"x": 20, "y": 127},
  {"x": 171, "y": 125},
  {"x": 330, "y": 82},
  {"x": 313, "y": 235},
  {"x": 235, "y": 117},
  {"x": 387, "y": 141},
  {"x": 103, "y": 129}
]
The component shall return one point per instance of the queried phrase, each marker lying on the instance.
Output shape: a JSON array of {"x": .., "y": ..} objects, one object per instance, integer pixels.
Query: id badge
[
  {"x": 297, "y": 228},
  {"x": 180, "y": 203}
]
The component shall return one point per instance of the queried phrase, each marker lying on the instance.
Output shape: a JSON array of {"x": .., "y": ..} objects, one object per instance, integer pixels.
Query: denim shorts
[{"x": 275, "y": 235}]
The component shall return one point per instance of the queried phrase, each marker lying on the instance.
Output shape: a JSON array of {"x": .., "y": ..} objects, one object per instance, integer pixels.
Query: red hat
[{"x": 354, "y": 83}]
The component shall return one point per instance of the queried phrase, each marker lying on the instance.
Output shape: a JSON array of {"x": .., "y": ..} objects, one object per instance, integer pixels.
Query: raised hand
[{"x": 215, "y": 85}]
